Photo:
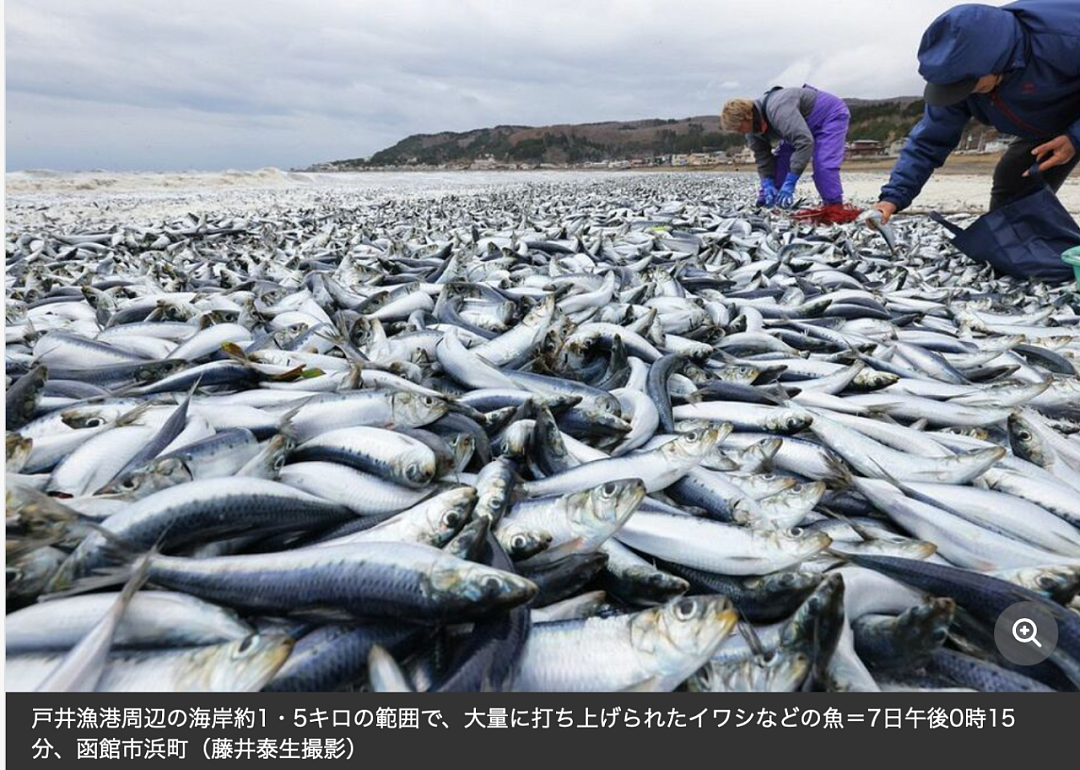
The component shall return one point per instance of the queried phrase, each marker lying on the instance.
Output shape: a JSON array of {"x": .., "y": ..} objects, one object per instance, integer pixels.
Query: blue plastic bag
[{"x": 1024, "y": 238}]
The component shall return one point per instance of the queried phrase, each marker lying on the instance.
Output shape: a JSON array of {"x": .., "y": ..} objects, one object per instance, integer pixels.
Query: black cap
[{"x": 943, "y": 95}]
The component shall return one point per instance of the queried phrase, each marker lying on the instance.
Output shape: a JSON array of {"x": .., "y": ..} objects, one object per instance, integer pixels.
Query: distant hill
[{"x": 884, "y": 120}]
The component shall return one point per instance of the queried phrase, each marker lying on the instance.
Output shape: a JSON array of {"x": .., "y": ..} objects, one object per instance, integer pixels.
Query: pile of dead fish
[{"x": 620, "y": 436}]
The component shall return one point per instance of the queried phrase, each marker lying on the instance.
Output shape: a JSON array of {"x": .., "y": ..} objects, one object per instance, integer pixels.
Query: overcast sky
[{"x": 206, "y": 84}]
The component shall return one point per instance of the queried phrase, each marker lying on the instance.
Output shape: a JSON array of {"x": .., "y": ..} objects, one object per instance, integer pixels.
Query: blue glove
[
  {"x": 785, "y": 199},
  {"x": 767, "y": 194}
]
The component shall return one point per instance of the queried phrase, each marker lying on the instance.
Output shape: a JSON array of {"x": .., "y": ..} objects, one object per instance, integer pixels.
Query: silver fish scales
[{"x": 408, "y": 372}]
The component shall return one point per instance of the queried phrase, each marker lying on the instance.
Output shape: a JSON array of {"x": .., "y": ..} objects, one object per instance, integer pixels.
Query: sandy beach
[
  {"x": 148, "y": 197},
  {"x": 947, "y": 193}
]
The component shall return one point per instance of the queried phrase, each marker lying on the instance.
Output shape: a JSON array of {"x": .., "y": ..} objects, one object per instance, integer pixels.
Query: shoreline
[{"x": 961, "y": 186}]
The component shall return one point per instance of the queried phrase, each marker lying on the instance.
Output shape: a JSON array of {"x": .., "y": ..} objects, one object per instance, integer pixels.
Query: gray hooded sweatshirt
[{"x": 785, "y": 111}]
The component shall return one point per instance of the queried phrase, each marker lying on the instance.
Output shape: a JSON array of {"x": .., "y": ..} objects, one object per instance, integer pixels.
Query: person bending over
[
  {"x": 808, "y": 124},
  {"x": 1016, "y": 68}
]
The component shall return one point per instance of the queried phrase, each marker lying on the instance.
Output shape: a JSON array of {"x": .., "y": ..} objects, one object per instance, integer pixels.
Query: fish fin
[
  {"x": 285, "y": 425},
  {"x": 138, "y": 575},
  {"x": 235, "y": 352},
  {"x": 354, "y": 381},
  {"x": 749, "y": 633},
  {"x": 859, "y": 529},
  {"x": 781, "y": 397},
  {"x": 132, "y": 417},
  {"x": 334, "y": 337},
  {"x": 550, "y": 555},
  {"x": 837, "y": 554},
  {"x": 652, "y": 684},
  {"x": 840, "y": 468},
  {"x": 886, "y": 476},
  {"x": 171, "y": 428},
  {"x": 105, "y": 578},
  {"x": 136, "y": 564},
  {"x": 108, "y": 535},
  {"x": 696, "y": 397},
  {"x": 472, "y": 413},
  {"x": 296, "y": 373},
  {"x": 785, "y": 396},
  {"x": 17, "y": 547}
]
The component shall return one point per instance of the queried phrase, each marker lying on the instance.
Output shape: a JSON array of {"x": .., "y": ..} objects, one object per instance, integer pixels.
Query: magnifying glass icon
[{"x": 1024, "y": 631}]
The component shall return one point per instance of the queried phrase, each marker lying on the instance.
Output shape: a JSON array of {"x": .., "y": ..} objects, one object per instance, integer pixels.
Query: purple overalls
[{"x": 829, "y": 123}]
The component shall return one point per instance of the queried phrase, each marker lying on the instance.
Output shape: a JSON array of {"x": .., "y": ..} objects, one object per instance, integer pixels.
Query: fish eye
[
  {"x": 492, "y": 583},
  {"x": 1045, "y": 581},
  {"x": 451, "y": 519},
  {"x": 787, "y": 580},
  {"x": 246, "y": 645},
  {"x": 796, "y": 531},
  {"x": 684, "y": 610},
  {"x": 1024, "y": 435},
  {"x": 129, "y": 484},
  {"x": 610, "y": 488},
  {"x": 94, "y": 422}
]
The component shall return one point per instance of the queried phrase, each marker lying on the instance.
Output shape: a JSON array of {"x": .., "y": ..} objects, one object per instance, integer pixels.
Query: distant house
[
  {"x": 706, "y": 158},
  {"x": 896, "y": 147},
  {"x": 862, "y": 148},
  {"x": 680, "y": 160},
  {"x": 996, "y": 146},
  {"x": 488, "y": 162},
  {"x": 745, "y": 155}
]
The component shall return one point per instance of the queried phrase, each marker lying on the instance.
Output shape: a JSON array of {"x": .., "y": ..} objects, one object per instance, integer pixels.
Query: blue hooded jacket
[{"x": 1035, "y": 44}]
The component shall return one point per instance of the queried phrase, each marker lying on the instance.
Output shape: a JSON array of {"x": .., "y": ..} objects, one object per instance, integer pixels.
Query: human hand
[
  {"x": 767, "y": 194},
  {"x": 887, "y": 210},
  {"x": 785, "y": 198},
  {"x": 1060, "y": 149}
]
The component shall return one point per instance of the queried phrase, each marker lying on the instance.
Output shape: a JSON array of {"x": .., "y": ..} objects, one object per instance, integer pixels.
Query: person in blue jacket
[{"x": 1016, "y": 68}]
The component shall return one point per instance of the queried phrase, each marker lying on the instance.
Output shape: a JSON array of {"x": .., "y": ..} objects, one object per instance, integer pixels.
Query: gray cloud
[{"x": 129, "y": 84}]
